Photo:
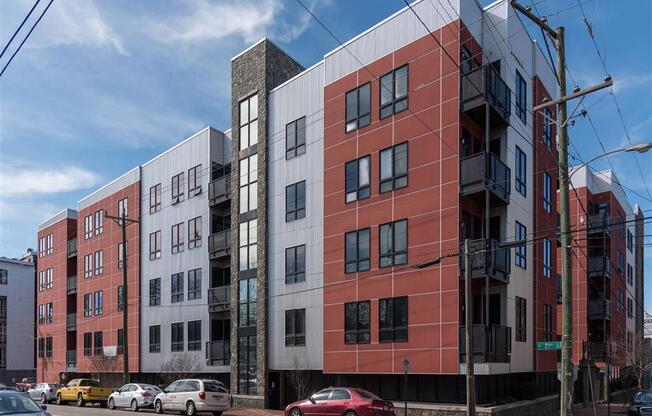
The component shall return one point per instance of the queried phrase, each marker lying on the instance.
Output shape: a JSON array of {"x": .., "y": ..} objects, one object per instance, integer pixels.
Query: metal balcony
[
  {"x": 219, "y": 244},
  {"x": 72, "y": 248},
  {"x": 219, "y": 298},
  {"x": 71, "y": 360},
  {"x": 219, "y": 190},
  {"x": 491, "y": 344},
  {"x": 483, "y": 171},
  {"x": 599, "y": 224},
  {"x": 488, "y": 260},
  {"x": 71, "y": 322},
  {"x": 484, "y": 85},
  {"x": 599, "y": 266},
  {"x": 71, "y": 285},
  {"x": 599, "y": 309},
  {"x": 218, "y": 353},
  {"x": 595, "y": 350}
]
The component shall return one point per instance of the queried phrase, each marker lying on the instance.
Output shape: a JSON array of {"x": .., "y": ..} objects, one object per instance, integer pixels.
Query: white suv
[{"x": 193, "y": 396}]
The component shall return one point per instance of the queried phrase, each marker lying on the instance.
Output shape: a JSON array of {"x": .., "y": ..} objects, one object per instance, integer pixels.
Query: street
[{"x": 95, "y": 410}]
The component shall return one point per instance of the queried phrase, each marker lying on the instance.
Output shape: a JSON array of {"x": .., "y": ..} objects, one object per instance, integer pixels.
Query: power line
[{"x": 19, "y": 27}]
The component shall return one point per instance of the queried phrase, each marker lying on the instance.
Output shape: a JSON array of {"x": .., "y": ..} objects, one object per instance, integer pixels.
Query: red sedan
[{"x": 341, "y": 401}]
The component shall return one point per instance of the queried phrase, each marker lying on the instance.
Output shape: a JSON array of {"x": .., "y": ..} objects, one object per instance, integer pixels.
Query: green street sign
[{"x": 549, "y": 345}]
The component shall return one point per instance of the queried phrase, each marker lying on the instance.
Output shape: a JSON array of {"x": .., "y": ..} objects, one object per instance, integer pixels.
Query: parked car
[
  {"x": 193, "y": 396},
  {"x": 641, "y": 404},
  {"x": 341, "y": 401},
  {"x": 45, "y": 392},
  {"x": 14, "y": 389},
  {"x": 16, "y": 403},
  {"x": 26, "y": 384},
  {"x": 82, "y": 391},
  {"x": 134, "y": 396}
]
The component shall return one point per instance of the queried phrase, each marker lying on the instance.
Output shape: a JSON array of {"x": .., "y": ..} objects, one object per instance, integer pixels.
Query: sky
[{"x": 100, "y": 87}]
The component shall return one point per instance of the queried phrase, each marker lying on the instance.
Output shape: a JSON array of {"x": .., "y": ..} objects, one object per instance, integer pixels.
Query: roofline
[
  {"x": 108, "y": 183},
  {"x": 294, "y": 78},
  {"x": 207, "y": 128},
  {"x": 16, "y": 261},
  {"x": 249, "y": 48},
  {"x": 40, "y": 226}
]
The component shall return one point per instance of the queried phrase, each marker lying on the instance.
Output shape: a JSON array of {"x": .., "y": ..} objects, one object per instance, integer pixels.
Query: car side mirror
[{"x": 312, "y": 399}]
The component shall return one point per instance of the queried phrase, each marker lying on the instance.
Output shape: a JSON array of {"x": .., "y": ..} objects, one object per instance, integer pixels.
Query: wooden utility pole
[{"x": 468, "y": 330}]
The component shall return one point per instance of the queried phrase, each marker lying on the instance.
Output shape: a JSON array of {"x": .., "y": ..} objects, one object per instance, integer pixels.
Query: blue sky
[{"x": 103, "y": 86}]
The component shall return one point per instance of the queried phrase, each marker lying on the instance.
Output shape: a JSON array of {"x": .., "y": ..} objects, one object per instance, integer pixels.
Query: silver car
[
  {"x": 134, "y": 396},
  {"x": 193, "y": 396},
  {"x": 45, "y": 392}
]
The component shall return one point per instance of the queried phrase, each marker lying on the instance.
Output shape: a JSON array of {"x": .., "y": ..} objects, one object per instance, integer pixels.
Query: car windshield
[
  {"x": 643, "y": 397},
  {"x": 16, "y": 403},
  {"x": 149, "y": 387},
  {"x": 367, "y": 395},
  {"x": 91, "y": 383},
  {"x": 213, "y": 386}
]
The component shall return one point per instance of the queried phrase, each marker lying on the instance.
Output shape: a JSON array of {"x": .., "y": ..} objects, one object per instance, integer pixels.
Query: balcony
[
  {"x": 599, "y": 309},
  {"x": 71, "y": 322},
  {"x": 599, "y": 224},
  {"x": 218, "y": 353},
  {"x": 71, "y": 285},
  {"x": 72, "y": 248},
  {"x": 595, "y": 350},
  {"x": 480, "y": 172},
  {"x": 219, "y": 190},
  {"x": 490, "y": 345},
  {"x": 219, "y": 298},
  {"x": 490, "y": 261},
  {"x": 599, "y": 266},
  {"x": 219, "y": 244},
  {"x": 71, "y": 360},
  {"x": 484, "y": 85}
]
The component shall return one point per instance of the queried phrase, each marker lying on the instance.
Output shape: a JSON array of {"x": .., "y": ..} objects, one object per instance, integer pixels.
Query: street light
[{"x": 638, "y": 148}]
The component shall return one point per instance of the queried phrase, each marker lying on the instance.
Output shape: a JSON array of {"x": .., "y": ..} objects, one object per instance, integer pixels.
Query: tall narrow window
[
  {"x": 49, "y": 312},
  {"x": 194, "y": 181},
  {"x": 155, "y": 198},
  {"x": 547, "y": 258},
  {"x": 620, "y": 300},
  {"x": 123, "y": 209},
  {"x": 98, "y": 344},
  {"x": 155, "y": 292},
  {"x": 248, "y": 198},
  {"x": 194, "y": 335},
  {"x": 88, "y": 304},
  {"x": 177, "y": 238},
  {"x": 521, "y": 98},
  {"x": 178, "y": 187},
  {"x": 194, "y": 233},
  {"x": 394, "y": 92},
  {"x": 48, "y": 278},
  {"x": 99, "y": 262},
  {"x": 547, "y": 127},
  {"x": 247, "y": 364},
  {"x": 99, "y": 222},
  {"x": 393, "y": 319},
  {"x": 547, "y": 323},
  {"x": 121, "y": 298},
  {"x": 48, "y": 347},
  {"x": 521, "y": 172},
  {"x": 88, "y": 265},
  {"x": 122, "y": 247},
  {"x": 358, "y": 178},
  {"x": 248, "y": 245},
  {"x": 247, "y": 305},
  {"x": 630, "y": 275},
  {"x": 547, "y": 192},
  {"x": 177, "y": 288},
  {"x": 393, "y": 243},
  {"x": 88, "y": 344},
  {"x": 295, "y": 328},
  {"x": 99, "y": 302},
  {"x": 155, "y": 338},
  {"x": 177, "y": 337},
  {"x": 358, "y": 107},
  {"x": 630, "y": 241},
  {"x": 88, "y": 227},
  {"x": 357, "y": 323},
  {"x": 48, "y": 242},
  {"x": 630, "y": 307},
  {"x": 394, "y": 167},
  {"x": 620, "y": 261},
  {"x": 521, "y": 319},
  {"x": 357, "y": 251},
  {"x": 121, "y": 341},
  {"x": 41, "y": 347},
  {"x": 194, "y": 284},
  {"x": 521, "y": 251},
  {"x": 41, "y": 280},
  {"x": 41, "y": 311},
  {"x": 295, "y": 201},
  {"x": 155, "y": 245},
  {"x": 4, "y": 277},
  {"x": 295, "y": 264},
  {"x": 248, "y": 116},
  {"x": 295, "y": 138}
]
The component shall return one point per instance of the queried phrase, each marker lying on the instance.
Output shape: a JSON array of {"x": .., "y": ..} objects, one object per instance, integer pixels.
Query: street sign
[
  {"x": 406, "y": 365},
  {"x": 549, "y": 345}
]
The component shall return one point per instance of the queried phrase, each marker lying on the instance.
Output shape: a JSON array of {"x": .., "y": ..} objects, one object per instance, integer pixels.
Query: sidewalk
[
  {"x": 252, "y": 412},
  {"x": 601, "y": 410}
]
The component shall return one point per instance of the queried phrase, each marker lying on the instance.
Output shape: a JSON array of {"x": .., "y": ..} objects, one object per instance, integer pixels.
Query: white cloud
[
  {"x": 26, "y": 179},
  {"x": 633, "y": 81}
]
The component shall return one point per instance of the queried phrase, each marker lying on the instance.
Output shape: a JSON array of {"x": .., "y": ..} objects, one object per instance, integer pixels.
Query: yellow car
[{"x": 82, "y": 391}]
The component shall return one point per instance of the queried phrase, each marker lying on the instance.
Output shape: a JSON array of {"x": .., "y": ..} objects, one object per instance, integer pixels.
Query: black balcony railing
[
  {"x": 219, "y": 190},
  {"x": 491, "y": 344},
  {"x": 485, "y": 171},
  {"x": 71, "y": 285},
  {"x": 488, "y": 259},
  {"x": 599, "y": 309},
  {"x": 218, "y": 353},
  {"x": 219, "y": 244},
  {"x": 484, "y": 85},
  {"x": 599, "y": 266},
  {"x": 599, "y": 224},
  {"x": 595, "y": 350},
  {"x": 71, "y": 322},
  {"x": 71, "y": 359},
  {"x": 72, "y": 248},
  {"x": 219, "y": 298}
]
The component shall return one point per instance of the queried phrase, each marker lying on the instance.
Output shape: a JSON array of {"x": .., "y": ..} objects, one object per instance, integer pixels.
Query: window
[
  {"x": 178, "y": 188},
  {"x": 49, "y": 311},
  {"x": 88, "y": 304},
  {"x": 547, "y": 258},
  {"x": 547, "y": 192},
  {"x": 177, "y": 238},
  {"x": 3, "y": 276},
  {"x": 521, "y": 172},
  {"x": 356, "y": 322},
  {"x": 88, "y": 343},
  {"x": 194, "y": 336},
  {"x": 155, "y": 338},
  {"x": 48, "y": 243},
  {"x": 194, "y": 284},
  {"x": 194, "y": 233},
  {"x": 88, "y": 265},
  {"x": 177, "y": 337},
  {"x": 521, "y": 251},
  {"x": 393, "y": 243},
  {"x": 99, "y": 302},
  {"x": 295, "y": 264},
  {"x": 248, "y": 195},
  {"x": 630, "y": 307},
  {"x": 630, "y": 275},
  {"x": 99, "y": 222},
  {"x": 295, "y": 201},
  {"x": 393, "y": 319},
  {"x": 521, "y": 319},
  {"x": 41, "y": 312},
  {"x": 123, "y": 209},
  {"x": 247, "y": 364},
  {"x": 620, "y": 300},
  {"x": 155, "y": 198},
  {"x": 155, "y": 245},
  {"x": 357, "y": 251},
  {"x": 248, "y": 244},
  {"x": 41, "y": 347},
  {"x": 394, "y": 168},
  {"x": 48, "y": 278},
  {"x": 630, "y": 241},
  {"x": 88, "y": 227},
  {"x": 3, "y": 307},
  {"x": 48, "y": 347},
  {"x": 394, "y": 92},
  {"x": 121, "y": 341},
  {"x": 521, "y": 97},
  {"x": 295, "y": 138},
  {"x": 41, "y": 280},
  {"x": 155, "y": 292},
  {"x": 99, "y": 262},
  {"x": 358, "y": 107},
  {"x": 295, "y": 328},
  {"x": 177, "y": 287},
  {"x": 121, "y": 298},
  {"x": 630, "y": 342},
  {"x": 194, "y": 181},
  {"x": 97, "y": 343},
  {"x": 547, "y": 127},
  {"x": 358, "y": 178},
  {"x": 547, "y": 323},
  {"x": 41, "y": 247},
  {"x": 247, "y": 306},
  {"x": 620, "y": 261},
  {"x": 248, "y": 117}
]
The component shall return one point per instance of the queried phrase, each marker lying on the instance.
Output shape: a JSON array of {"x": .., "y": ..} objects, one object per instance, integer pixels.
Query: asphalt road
[{"x": 89, "y": 410}]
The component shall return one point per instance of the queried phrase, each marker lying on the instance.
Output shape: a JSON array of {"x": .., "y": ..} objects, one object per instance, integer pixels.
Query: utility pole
[
  {"x": 122, "y": 220},
  {"x": 566, "y": 395},
  {"x": 468, "y": 330}
]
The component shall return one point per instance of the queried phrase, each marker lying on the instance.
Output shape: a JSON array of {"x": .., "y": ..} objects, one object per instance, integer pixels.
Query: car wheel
[
  {"x": 59, "y": 401},
  {"x": 295, "y": 412},
  {"x": 158, "y": 407},
  {"x": 80, "y": 401},
  {"x": 43, "y": 399},
  {"x": 134, "y": 405},
  {"x": 190, "y": 409},
  {"x": 217, "y": 413},
  {"x": 350, "y": 413},
  {"x": 111, "y": 404}
]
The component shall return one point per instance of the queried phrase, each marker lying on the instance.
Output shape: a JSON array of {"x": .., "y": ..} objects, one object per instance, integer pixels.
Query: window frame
[
  {"x": 547, "y": 192},
  {"x": 294, "y": 336},
  {"x": 98, "y": 302},
  {"x": 293, "y": 208},
  {"x": 395, "y": 178},
  {"x": 194, "y": 290},
  {"x": 194, "y": 335},
  {"x": 155, "y": 198},
  {"x": 520, "y": 319},
  {"x": 360, "y": 191},
  {"x": 98, "y": 343},
  {"x": 155, "y": 248},
  {"x": 194, "y": 181},
  {"x": 520, "y": 252},
  {"x": 520, "y": 102},
  {"x": 292, "y": 272},
  {"x": 88, "y": 304},
  {"x": 353, "y": 335},
  {"x": 361, "y": 119},
  {"x": 98, "y": 259},
  {"x": 248, "y": 122},
  {"x": 178, "y": 234},
  {"x": 547, "y": 127},
  {"x": 88, "y": 344},
  {"x": 547, "y": 258},
  {"x": 178, "y": 188},
  {"x": 358, "y": 259},
  {"x": 156, "y": 288},
  {"x": 99, "y": 221},
  {"x": 194, "y": 238},
  {"x": 520, "y": 171},
  {"x": 393, "y": 253},
  {"x": 177, "y": 336},
  {"x": 299, "y": 147},
  {"x": 397, "y": 333},
  {"x": 548, "y": 332},
  {"x": 247, "y": 303},
  {"x": 177, "y": 280},
  {"x": 120, "y": 298},
  {"x": 248, "y": 184},
  {"x": 154, "y": 347},
  {"x": 395, "y": 101},
  {"x": 248, "y": 243}
]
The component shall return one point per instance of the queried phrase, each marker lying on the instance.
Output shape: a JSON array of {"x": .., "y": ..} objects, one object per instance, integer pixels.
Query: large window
[
  {"x": 88, "y": 304},
  {"x": 194, "y": 284},
  {"x": 357, "y": 322},
  {"x": 521, "y": 172},
  {"x": 99, "y": 302},
  {"x": 393, "y": 243},
  {"x": 394, "y": 92},
  {"x": 521, "y": 319},
  {"x": 358, "y": 107},
  {"x": 248, "y": 117},
  {"x": 548, "y": 334},
  {"x": 521, "y": 97},
  {"x": 177, "y": 288},
  {"x": 247, "y": 364},
  {"x": 248, "y": 245},
  {"x": 88, "y": 227},
  {"x": 99, "y": 222},
  {"x": 99, "y": 262},
  {"x": 630, "y": 241},
  {"x": 88, "y": 344},
  {"x": 521, "y": 251},
  {"x": 121, "y": 298},
  {"x": 547, "y": 127},
  {"x": 155, "y": 198},
  {"x": 155, "y": 245},
  {"x": 194, "y": 181},
  {"x": 88, "y": 265},
  {"x": 394, "y": 167},
  {"x": 123, "y": 208},
  {"x": 295, "y": 264},
  {"x": 155, "y": 292},
  {"x": 177, "y": 238},
  {"x": 194, "y": 335},
  {"x": 357, "y": 254},
  {"x": 248, "y": 184},
  {"x": 547, "y": 192},
  {"x": 295, "y": 328},
  {"x": 295, "y": 138},
  {"x": 358, "y": 178},
  {"x": 194, "y": 233},
  {"x": 178, "y": 187},
  {"x": 295, "y": 201},
  {"x": 393, "y": 319},
  {"x": 98, "y": 345},
  {"x": 177, "y": 337},
  {"x": 155, "y": 338},
  {"x": 547, "y": 258},
  {"x": 247, "y": 307},
  {"x": 630, "y": 275}
]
